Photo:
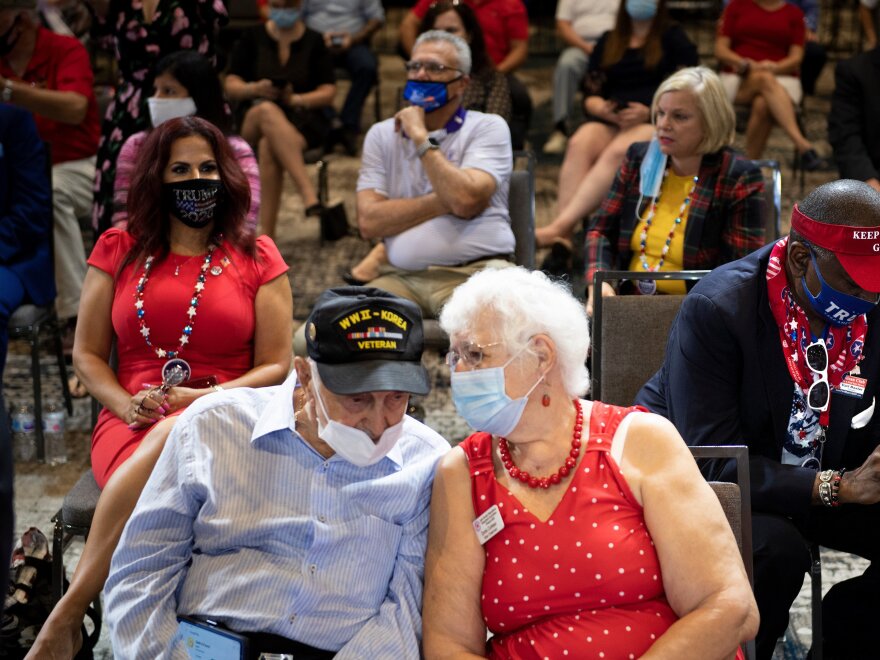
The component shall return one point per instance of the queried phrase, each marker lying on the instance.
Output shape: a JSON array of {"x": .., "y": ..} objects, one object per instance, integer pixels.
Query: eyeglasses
[
  {"x": 414, "y": 66},
  {"x": 470, "y": 354},
  {"x": 819, "y": 394}
]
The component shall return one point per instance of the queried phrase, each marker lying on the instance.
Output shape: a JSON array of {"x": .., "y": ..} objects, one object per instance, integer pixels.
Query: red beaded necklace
[{"x": 556, "y": 477}]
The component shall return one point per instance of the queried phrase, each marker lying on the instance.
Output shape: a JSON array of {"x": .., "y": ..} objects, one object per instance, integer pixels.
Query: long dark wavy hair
[
  {"x": 196, "y": 73},
  {"x": 149, "y": 221},
  {"x": 479, "y": 58},
  {"x": 618, "y": 39}
]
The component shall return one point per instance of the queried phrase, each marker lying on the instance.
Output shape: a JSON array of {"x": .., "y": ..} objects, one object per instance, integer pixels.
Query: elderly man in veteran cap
[
  {"x": 780, "y": 351},
  {"x": 295, "y": 516}
]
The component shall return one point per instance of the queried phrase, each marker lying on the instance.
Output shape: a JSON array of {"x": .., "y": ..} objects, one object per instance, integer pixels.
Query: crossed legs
[
  {"x": 280, "y": 148},
  {"x": 770, "y": 103},
  {"x": 595, "y": 153},
  {"x": 60, "y": 637}
]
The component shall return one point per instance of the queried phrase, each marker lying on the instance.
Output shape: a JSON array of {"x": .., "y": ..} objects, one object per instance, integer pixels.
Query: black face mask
[
  {"x": 193, "y": 202},
  {"x": 5, "y": 46}
]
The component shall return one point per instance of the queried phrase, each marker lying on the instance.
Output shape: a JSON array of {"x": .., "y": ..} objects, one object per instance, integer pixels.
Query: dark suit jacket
[
  {"x": 25, "y": 206},
  {"x": 853, "y": 127},
  {"x": 724, "y": 381}
]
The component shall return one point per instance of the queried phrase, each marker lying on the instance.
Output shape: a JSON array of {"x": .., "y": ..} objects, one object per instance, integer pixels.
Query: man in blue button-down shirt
[{"x": 296, "y": 514}]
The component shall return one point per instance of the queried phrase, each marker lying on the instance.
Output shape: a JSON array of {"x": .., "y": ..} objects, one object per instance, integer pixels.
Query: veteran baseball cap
[
  {"x": 856, "y": 248},
  {"x": 367, "y": 340}
]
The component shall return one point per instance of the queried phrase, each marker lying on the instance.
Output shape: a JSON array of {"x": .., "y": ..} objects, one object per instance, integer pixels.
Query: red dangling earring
[{"x": 545, "y": 400}]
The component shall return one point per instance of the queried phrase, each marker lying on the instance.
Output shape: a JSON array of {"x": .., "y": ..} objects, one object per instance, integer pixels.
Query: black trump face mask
[{"x": 194, "y": 201}]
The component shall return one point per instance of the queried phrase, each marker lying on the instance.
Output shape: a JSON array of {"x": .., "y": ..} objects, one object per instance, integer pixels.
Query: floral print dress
[{"x": 139, "y": 45}]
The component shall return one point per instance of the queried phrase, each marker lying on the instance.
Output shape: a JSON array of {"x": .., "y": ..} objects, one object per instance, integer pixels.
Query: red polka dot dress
[{"x": 586, "y": 582}]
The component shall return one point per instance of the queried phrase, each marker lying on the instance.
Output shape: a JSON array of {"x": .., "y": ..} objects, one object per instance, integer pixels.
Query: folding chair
[
  {"x": 629, "y": 334},
  {"x": 772, "y": 198}
]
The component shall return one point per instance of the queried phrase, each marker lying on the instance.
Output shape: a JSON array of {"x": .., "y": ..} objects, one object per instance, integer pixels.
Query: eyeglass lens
[{"x": 818, "y": 394}]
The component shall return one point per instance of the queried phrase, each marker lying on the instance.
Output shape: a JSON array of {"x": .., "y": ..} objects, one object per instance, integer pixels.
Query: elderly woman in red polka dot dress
[{"x": 567, "y": 527}]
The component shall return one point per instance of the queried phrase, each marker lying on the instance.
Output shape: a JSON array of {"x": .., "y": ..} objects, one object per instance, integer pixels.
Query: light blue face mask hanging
[
  {"x": 651, "y": 170},
  {"x": 480, "y": 396},
  {"x": 641, "y": 10}
]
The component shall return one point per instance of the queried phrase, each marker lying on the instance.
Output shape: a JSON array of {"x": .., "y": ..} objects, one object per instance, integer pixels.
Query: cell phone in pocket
[{"x": 206, "y": 640}]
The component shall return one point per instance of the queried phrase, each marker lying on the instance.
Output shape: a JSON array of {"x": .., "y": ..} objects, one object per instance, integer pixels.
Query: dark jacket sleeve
[
  {"x": 704, "y": 356},
  {"x": 26, "y": 216},
  {"x": 847, "y": 125}
]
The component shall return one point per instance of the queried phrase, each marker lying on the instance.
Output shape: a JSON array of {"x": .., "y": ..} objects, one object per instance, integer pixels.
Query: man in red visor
[{"x": 780, "y": 351}]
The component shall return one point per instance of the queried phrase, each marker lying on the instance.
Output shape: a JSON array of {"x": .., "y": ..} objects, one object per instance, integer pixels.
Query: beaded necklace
[
  {"x": 561, "y": 473},
  {"x": 191, "y": 312},
  {"x": 643, "y": 239}
]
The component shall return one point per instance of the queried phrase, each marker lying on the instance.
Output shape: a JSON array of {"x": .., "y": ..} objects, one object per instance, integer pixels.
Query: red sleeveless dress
[{"x": 586, "y": 582}]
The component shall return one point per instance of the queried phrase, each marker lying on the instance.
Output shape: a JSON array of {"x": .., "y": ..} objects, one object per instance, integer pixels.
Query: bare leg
[
  {"x": 592, "y": 190},
  {"x": 287, "y": 144},
  {"x": 368, "y": 267},
  {"x": 60, "y": 636},
  {"x": 271, "y": 181},
  {"x": 759, "y": 127},
  {"x": 584, "y": 148},
  {"x": 778, "y": 101}
]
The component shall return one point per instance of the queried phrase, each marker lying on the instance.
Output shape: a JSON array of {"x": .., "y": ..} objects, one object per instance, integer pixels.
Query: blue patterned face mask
[
  {"x": 284, "y": 17},
  {"x": 480, "y": 396},
  {"x": 641, "y": 10},
  {"x": 426, "y": 94},
  {"x": 836, "y": 307},
  {"x": 651, "y": 170}
]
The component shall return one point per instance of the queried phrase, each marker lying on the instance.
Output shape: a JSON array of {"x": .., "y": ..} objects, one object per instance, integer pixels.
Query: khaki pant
[{"x": 72, "y": 183}]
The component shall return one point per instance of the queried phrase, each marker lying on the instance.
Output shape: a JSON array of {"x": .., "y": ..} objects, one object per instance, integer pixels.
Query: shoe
[
  {"x": 811, "y": 161},
  {"x": 348, "y": 139},
  {"x": 558, "y": 263},
  {"x": 314, "y": 210},
  {"x": 556, "y": 143},
  {"x": 348, "y": 277}
]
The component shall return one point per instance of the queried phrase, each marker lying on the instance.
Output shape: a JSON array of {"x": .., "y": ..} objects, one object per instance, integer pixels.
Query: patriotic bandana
[{"x": 844, "y": 346}]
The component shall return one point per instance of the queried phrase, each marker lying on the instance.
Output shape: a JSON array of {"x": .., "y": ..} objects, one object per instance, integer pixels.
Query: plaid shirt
[{"x": 725, "y": 220}]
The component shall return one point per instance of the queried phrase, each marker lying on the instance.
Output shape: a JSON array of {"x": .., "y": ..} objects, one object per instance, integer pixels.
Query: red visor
[{"x": 856, "y": 248}]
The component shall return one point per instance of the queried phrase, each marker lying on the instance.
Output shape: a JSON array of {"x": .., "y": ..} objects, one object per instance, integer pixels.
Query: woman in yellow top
[{"x": 685, "y": 200}]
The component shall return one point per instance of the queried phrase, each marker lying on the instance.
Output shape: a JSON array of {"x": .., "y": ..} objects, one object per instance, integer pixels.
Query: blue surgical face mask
[
  {"x": 641, "y": 10},
  {"x": 427, "y": 94},
  {"x": 834, "y": 306},
  {"x": 651, "y": 170},
  {"x": 284, "y": 17},
  {"x": 480, "y": 396}
]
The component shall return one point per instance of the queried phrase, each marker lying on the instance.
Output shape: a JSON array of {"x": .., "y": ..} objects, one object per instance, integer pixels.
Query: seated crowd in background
[
  {"x": 654, "y": 158},
  {"x": 627, "y": 65},
  {"x": 685, "y": 200}
]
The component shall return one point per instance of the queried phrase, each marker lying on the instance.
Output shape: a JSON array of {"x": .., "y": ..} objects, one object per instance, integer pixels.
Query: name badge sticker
[
  {"x": 489, "y": 524},
  {"x": 853, "y": 386}
]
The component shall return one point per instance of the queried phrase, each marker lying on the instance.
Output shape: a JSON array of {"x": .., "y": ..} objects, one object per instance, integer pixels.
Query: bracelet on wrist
[{"x": 829, "y": 487}]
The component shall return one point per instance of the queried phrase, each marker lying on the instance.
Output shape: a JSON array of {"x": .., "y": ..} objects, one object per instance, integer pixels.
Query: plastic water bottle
[
  {"x": 24, "y": 433},
  {"x": 53, "y": 434}
]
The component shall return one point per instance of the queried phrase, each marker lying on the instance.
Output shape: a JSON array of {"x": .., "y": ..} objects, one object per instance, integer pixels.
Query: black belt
[{"x": 269, "y": 643}]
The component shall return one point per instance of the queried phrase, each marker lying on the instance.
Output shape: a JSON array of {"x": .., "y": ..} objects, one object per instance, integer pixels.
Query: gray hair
[
  {"x": 462, "y": 50},
  {"x": 525, "y": 303}
]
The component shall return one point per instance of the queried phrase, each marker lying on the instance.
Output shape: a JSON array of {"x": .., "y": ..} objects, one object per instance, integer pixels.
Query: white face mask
[
  {"x": 161, "y": 110},
  {"x": 354, "y": 445}
]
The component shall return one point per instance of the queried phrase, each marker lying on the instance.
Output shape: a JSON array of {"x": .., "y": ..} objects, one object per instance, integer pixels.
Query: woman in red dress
[
  {"x": 185, "y": 281},
  {"x": 567, "y": 527}
]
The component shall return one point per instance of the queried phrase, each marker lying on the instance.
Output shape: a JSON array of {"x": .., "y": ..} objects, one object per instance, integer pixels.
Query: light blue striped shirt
[{"x": 243, "y": 522}]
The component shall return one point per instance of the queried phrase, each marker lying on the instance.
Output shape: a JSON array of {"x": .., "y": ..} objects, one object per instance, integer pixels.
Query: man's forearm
[
  {"x": 367, "y": 32},
  {"x": 465, "y": 194},
  {"x": 380, "y": 217},
  {"x": 64, "y": 107}
]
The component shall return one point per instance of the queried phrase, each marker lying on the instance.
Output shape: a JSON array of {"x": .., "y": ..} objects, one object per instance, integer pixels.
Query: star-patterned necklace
[{"x": 191, "y": 312}]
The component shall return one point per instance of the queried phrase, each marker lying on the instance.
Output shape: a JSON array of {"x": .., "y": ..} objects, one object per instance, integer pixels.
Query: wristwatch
[
  {"x": 6, "y": 92},
  {"x": 426, "y": 146}
]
